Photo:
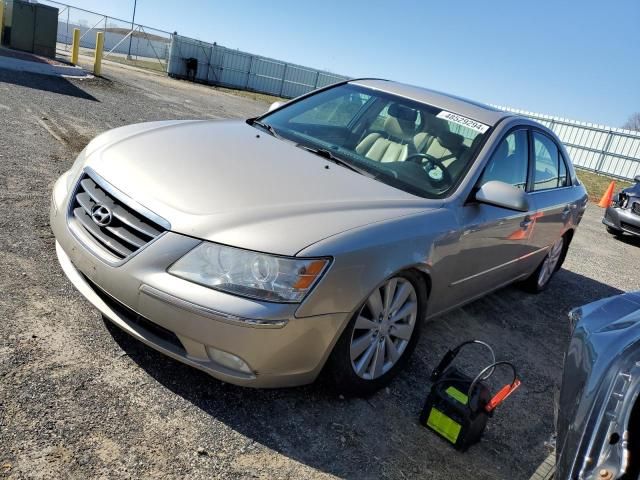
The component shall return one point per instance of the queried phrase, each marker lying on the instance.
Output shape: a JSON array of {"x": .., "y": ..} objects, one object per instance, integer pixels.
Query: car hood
[{"x": 228, "y": 182}]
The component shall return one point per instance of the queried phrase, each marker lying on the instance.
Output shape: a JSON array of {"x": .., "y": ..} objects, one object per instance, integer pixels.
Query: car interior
[{"x": 401, "y": 137}]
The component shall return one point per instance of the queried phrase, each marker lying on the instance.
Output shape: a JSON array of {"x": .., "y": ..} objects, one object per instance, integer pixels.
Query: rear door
[
  {"x": 550, "y": 187},
  {"x": 494, "y": 240}
]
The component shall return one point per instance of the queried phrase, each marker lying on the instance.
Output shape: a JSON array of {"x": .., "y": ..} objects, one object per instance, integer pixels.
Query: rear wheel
[
  {"x": 539, "y": 280},
  {"x": 380, "y": 337}
]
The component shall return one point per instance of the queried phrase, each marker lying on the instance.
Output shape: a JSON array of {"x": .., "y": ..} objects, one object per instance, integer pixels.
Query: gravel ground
[{"x": 80, "y": 399}]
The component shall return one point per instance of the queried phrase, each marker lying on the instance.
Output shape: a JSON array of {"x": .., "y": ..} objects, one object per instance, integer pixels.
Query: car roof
[{"x": 468, "y": 108}]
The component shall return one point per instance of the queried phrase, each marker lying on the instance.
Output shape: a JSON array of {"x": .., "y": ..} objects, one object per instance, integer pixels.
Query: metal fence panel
[
  {"x": 325, "y": 79},
  {"x": 298, "y": 80},
  {"x": 302, "y": 76},
  {"x": 235, "y": 68},
  {"x": 294, "y": 89},
  {"x": 608, "y": 150},
  {"x": 218, "y": 65}
]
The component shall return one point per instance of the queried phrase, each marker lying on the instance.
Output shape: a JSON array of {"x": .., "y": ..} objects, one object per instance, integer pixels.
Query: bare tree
[{"x": 633, "y": 123}]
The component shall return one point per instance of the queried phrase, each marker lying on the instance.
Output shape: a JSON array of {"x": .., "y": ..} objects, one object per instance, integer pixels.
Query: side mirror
[
  {"x": 503, "y": 195},
  {"x": 275, "y": 105},
  {"x": 637, "y": 179}
]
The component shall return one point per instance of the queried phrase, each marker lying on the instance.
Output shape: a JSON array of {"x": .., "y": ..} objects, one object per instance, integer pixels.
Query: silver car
[
  {"x": 623, "y": 215},
  {"x": 317, "y": 236}
]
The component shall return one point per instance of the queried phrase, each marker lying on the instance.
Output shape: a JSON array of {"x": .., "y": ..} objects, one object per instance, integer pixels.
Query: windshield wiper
[
  {"x": 328, "y": 154},
  {"x": 266, "y": 127}
]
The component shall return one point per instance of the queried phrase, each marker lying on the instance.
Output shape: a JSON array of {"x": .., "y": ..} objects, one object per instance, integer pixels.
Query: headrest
[
  {"x": 451, "y": 141},
  {"x": 435, "y": 125},
  {"x": 401, "y": 129},
  {"x": 403, "y": 113}
]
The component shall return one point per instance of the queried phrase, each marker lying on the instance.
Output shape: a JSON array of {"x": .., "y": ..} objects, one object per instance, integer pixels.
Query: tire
[
  {"x": 354, "y": 366},
  {"x": 614, "y": 231},
  {"x": 539, "y": 280}
]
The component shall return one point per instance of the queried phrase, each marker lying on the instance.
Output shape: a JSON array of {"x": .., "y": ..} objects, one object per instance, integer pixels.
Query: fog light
[{"x": 228, "y": 360}]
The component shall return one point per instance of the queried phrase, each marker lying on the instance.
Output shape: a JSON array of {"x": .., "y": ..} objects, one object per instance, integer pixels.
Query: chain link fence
[
  {"x": 124, "y": 41},
  {"x": 601, "y": 149}
]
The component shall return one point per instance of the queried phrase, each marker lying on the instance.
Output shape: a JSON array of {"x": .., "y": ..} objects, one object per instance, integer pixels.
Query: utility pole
[{"x": 133, "y": 19}]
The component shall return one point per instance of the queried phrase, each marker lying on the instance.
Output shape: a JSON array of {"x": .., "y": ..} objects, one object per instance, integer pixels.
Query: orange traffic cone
[{"x": 605, "y": 201}]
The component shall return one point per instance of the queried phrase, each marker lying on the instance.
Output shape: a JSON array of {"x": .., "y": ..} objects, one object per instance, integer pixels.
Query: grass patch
[{"x": 596, "y": 184}]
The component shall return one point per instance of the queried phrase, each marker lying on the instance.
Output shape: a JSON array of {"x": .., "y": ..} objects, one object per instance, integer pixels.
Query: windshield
[{"x": 412, "y": 146}]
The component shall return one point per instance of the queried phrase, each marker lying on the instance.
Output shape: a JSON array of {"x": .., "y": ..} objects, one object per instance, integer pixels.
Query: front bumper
[
  {"x": 622, "y": 219},
  {"x": 186, "y": 321}
]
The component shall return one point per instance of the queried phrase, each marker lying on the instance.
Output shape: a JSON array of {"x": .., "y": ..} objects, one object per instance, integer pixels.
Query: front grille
[
  {"x": 138, "y": 320},
  {"x": 630, "y": 228},
  {"x": 635, "y": 208},
  {"x": 128, "y": 230}
]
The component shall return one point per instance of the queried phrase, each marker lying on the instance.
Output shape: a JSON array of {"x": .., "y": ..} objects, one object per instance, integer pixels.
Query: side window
[
  {"x": 546, "y": 174},
  {"x": 563, "y": 178},
  {"x": 509, "y": 162},
  {"x": 337, "y": 112}
]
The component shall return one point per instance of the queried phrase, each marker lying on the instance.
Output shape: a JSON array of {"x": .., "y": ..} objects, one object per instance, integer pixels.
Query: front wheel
[
  {"x": 380, "y": 337},
  {"x": 539, "y": 280}
]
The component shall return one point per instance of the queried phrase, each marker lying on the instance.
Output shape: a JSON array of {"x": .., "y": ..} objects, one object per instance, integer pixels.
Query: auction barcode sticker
[{"x": 464, "y": 121}]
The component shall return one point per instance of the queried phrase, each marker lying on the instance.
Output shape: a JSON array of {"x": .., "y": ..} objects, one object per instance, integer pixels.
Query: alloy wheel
[
  {"x": 550, "y": 262},
  {"x": 383, "y": 328}
]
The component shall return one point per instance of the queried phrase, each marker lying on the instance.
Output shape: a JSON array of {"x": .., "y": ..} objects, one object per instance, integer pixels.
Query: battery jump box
[{"x": 458, "y": 406}]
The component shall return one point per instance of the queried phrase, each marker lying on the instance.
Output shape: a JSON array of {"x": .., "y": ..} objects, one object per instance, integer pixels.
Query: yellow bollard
[
  {"x": 97, "y": 62},
  {"x": 75, "y": 46}
]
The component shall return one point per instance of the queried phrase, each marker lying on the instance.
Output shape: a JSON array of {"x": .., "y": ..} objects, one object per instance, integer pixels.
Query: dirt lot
[{"x": 79, "y": 399}]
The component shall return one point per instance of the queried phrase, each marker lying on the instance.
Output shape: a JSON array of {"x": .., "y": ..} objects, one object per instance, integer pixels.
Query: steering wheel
[{"x": 428, "y": 167}]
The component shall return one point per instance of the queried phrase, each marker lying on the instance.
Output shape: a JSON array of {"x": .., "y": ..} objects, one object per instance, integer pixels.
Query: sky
[{"x": 574, "y": 59}]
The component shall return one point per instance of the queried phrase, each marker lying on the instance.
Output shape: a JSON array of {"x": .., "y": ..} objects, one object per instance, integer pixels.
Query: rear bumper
[
  {"x": 622, "y": 219},
  {"x": 189, "y": 322}
]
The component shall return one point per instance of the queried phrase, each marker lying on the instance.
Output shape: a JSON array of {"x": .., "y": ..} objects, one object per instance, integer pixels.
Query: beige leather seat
[
  {"x": 394, "y": 145},
  {"x": 399, "y": 140},
  {"x": 432, "y": 127},
  {"x": 446, "y": 147}
]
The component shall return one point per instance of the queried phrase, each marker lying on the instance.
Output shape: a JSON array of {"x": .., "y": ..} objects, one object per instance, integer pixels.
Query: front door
[{"x": 494, "y": 241}]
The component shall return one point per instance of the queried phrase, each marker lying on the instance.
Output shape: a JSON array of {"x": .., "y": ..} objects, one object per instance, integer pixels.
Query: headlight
[{"x": 250, "y": 274}]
